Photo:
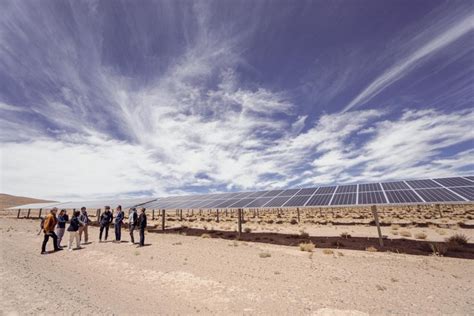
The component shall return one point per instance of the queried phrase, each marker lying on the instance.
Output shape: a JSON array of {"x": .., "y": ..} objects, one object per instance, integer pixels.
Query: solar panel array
[{"x": 441, "y": 190}]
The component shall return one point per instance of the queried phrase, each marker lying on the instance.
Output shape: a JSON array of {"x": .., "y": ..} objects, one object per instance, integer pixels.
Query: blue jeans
[{"x": 118, "y": 231}]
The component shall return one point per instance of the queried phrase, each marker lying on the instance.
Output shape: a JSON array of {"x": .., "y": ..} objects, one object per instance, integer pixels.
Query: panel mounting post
[
  {"x": 376, "y": 218},
  {"x": 181, "y": 215},
  {"x": 438, "y": 208},
  {"x": 217, "y": 215},
  {"x": 39, "y": 214},
  {"x": 153, "y": 214},
  {"x": 163, "y": 218},
  {"x": 18, "y": 214},
  {"x": 239, "y": 219},
  {"x": 298, "y": 213},
  {"x": 98, "y": 216},
  {"x": 28, "y": 215}
]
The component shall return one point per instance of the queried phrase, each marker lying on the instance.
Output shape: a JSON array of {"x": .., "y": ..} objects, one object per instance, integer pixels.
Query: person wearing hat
[
  {"x": 142, "y": 226},
  {"x": 132, "y": 223},
  {"x": 63, "y": 218},
  {"x": 84, "y": 219},
  {"x": 105, "y": 220},
  {"x": 48, "y": 229}
]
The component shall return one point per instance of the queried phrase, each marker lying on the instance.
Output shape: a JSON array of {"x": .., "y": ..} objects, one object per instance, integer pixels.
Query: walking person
[
  {"x": 84, "y": 219},
  {"x": 142, "y": 226},
  {"x": 63, "y": 218},
  {"x": 48, "y": 229},
  {"x": 119, "y": 215},
  {"x": 105, "y": 221},
  {"x": 73, "y": 230},
  {"x": 132, "y": 223}
]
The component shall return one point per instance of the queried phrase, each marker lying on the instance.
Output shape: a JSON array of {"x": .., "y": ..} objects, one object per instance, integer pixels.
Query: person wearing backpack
[
  {"x": 105, "y": 220},
  {"x": 84, "y": 219},
  {"x": 73, "y": 230},
  {"x": 48, "y": 228},
  {"x": 119, "y": 215},
  {"x": 142, "y": 226},
  {"x": 132, "y": 222},
  {"x": 63, "y": 218}
]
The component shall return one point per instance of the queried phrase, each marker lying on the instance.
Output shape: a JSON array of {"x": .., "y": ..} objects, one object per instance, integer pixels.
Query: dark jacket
[
  {"x": 62, "y": 220},
  {"x": 106, "y": 218},
  {"x": 119, "y": 217},
  {"x": 133, "y": 219},
  {"x": 142, "y": 221},
  {"x": 74, "y": 225},
  {"x": 84, "y": 218}
]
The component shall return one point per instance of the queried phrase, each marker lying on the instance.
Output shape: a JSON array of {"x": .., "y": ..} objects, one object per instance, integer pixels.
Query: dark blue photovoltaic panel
[
  {"x": 257, "y": 194},
  {"x": 259, "y": 202},
  {"x": 395, "y": 185},
  {"x": 307, "y": 191},
  {"x": 370, "y": 187},
  {"x": 227, "y": 203},
  {"x": 213, "y": 204},
  {"x": 243, "y": 202},
  {"x": 297, "y": 200},
  {"x": 320, "y": 199},
  {"x": 277, "y": 202},
  {"x": 347, "y": 188},
  {"x": 272, "y": 193},
  {"x": 289, "y": 192},
  {"x": 376, "y": 197},
  {"x": 470, "y": 178},
  {"x": 422, "y": 184},
  {"x": 242, "y": 195},
  {"x": 438, "y": 195},
  {"x": 344, "y": 199},
  {"x": 454, "y": 182},
  {"x": 402, "y": 196},
  {"x": 326, "y": 190},
  {"x": 467, "y": 192}
]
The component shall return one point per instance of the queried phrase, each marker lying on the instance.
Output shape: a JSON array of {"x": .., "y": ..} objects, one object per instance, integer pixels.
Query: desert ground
[{"x": 184, "y": 274}]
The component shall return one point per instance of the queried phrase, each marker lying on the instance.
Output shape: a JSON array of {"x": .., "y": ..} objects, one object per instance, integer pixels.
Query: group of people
[{"x": 54, "y": 226}]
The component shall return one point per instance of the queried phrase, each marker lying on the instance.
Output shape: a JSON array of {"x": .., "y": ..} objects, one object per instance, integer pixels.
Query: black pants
[
  {"x": 102, "y": 227},
  {"x": 132, "y": 228},
  {"x": 118, "y": 231},
  {"x": 46, "y": 238},
  {"x": 142, "y": 236}
]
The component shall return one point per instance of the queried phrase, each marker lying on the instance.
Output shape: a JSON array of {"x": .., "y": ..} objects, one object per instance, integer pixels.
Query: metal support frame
[
  {"x": 39, "y": 214},
  {"x": 298, "y": 213},
  {"x": 181, "y": 215},
  {"x": 239, "y": 221},
  {"x": 153, "y": 214},
  {"x": 217, "y": 215},
  {"x": 28, "y": 214},
  {"x": 18, "y": 214},
  {"x": 163, "y": 219},
  {"x": 377, "y": 223}
]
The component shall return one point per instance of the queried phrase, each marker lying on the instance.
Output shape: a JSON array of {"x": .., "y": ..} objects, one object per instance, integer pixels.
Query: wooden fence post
[{"x": 376, "y": 217}]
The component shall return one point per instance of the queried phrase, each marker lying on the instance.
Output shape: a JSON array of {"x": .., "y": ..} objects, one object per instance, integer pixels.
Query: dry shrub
[
  {"x": 345, "y": 235},
  {"x": 205, "y": 236},
  {"x": 458, "y": 240},
  {"x": 405, "y": 233},
  {"x": 307, "y": 246},
  {"x": 371, "y": 249},
  {"x": 420, "y": 236},
  {"x": 293, "y": 221},
  {"x": 247, "y": 229},
  {"x": 328, "y": 252},
  {"x": 395, "y": 233},
  {"x": 304, "y": 234},
  {"x": 264, "y": 255},
  {"x": 439, "y": 249},
  {"x": 395, "y": 226}
]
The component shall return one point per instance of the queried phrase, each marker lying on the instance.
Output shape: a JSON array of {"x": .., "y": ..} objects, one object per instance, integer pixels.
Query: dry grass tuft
[
  {"x": 247, "y": 229},
  {"x": 205, "y": 236},
  {"x": 395, "y": 226},
  {"x": 345, "y": 235},
  {"x": 439, "y": 250},
  {"x": 458, "y": 240},
  {"x": 405, "y": 233},
  {"x": 371, "y": 249},
  {"x": 304, "y": 234},
  {"x": 264, "y": 255},
  {"x": 420, "y": 236},
  {"x": 328, "y": 252},
  {"x": 307, "y": 246}
]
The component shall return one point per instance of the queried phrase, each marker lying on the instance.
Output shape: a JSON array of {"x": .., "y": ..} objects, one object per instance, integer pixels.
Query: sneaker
[
  {"x": 44, "y": 253},
  {"x": 70, "y": 249},
  {"x": 59, "y": 249}
]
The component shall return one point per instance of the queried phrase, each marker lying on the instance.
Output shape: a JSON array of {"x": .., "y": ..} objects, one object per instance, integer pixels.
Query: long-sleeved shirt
[
  {"x": 84, "y": 218},
  {"x": 62, "y": 220},
  {"x": 142, "y": 221},
  {"x": 49, "y": 223},
  {"x": 119, "y": 217},
  {"x": 106, "y": 218}
]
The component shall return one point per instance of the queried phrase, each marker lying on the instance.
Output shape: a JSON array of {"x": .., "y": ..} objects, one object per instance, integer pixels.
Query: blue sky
[{"x": 137, "y": 98}]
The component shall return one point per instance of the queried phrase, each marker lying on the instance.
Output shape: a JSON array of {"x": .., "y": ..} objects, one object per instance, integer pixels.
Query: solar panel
[
  {"x": 454, "y": 182},
  {"x": 438, "y": 195},
  {"x": 344, "y": 199},
  {"x": 422, "y": 184},
  {"x": 370, "y": 187},
  {"x": 242, "y": 203},
  {"x": 470, "y": 178},
  {"x": 257, "y": 194},
  {"x": 272, "y": 193},
  {"x": 346, "y": 188},
  {"x": 278, "y": 201},
  {"x": 325, "y": 190},
  {"x": 227, "y": 203},
  {"x": 320, "y": 199},
  {"x": 467, "y": 192},
  {"x": 402, "y": 196},
  {"x": 376, "y": 197},
  {"x": 297, "y": 200},
  {"x": 308, "y": 191},
  {"x": 395, "y": 185},
  {"x": 213, "y": 204},
  {"x": 259, "y": 202},
  {"x": 289, "y": 192}
]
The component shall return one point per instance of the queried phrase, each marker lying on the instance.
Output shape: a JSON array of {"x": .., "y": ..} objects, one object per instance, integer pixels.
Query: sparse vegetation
[
  {"x": 247, "y": 230},
  {"x": 395, "y": 227},
  {"x": 136, "y": 253},
  {"x": 371, "y": 249},
  {"x": 458, "y": 240},
  {"x": 205, "y": 236},
  {"x": 293, "y": 221},
  {"x": 264, "y": 255},
  {"x": 307, "y": 246},
  {"x": 405, "y": 233},
  {"x": 328, "y": 252},
  {"x": 345, "y": 235},
  {"x": 439, "y": 249},
  {"x": 304, "y": 234},
  {"x": 420, "y": 236}
]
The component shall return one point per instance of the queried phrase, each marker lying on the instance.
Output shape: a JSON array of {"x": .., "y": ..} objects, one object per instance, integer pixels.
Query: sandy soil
[{"x": 193, "y": 275}]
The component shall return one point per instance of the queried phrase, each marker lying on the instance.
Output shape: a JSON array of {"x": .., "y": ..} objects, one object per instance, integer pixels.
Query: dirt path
[{"x": 193, "y": 275}]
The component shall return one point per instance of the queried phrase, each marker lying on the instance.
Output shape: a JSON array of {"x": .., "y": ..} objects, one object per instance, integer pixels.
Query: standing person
[
  {"x": 132, "y": 223},
  {"x": 119, "y": 215},
  {"x": 48, "y": 229},
  {"x": 73, "y": 230},
  {"x": 142, "y": 226},
  {"x": 105, "y": 220},
  {"x": 63, "y": 218},
  {"x": 84, "y": 219}
]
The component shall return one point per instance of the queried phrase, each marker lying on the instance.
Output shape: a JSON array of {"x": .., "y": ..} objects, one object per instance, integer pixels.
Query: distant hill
[{"x": 7, "y": 200}]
